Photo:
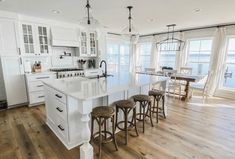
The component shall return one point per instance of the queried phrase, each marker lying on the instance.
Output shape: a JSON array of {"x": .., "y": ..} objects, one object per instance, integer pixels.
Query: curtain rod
[
  {"x": 182, "y": 30},
  {"x": 191, "y": 29}
]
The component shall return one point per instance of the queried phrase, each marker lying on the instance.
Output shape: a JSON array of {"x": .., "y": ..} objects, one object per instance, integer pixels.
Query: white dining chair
[
  {"x": 150, "y": 70},
  {"x": 174, "y": 85},
  {"x": 202, "y": 85},
  {"x": 138, "y": 68},
  {"x": 186, "y": 70}
]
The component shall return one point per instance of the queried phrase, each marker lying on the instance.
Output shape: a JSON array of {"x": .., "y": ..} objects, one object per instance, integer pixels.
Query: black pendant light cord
[
  {"x": 130, "y": 18},
  {"x": 88, "y": 12}
]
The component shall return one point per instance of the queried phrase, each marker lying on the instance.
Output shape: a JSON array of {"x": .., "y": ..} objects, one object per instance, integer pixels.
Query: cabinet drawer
[
  {"x": 60, "y": 109},
  {"x": 35, "y": 86},
  {"x": 39, "y": 77},
  {"x": 62, "y": 128},
  {"x": 36, "y": 97},
  {"x": 60, "y": 96}
]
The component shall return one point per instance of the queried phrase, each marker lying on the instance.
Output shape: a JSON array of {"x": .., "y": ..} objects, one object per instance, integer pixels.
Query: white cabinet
[
  {"x": 88, "y": 44},
  {"x": 14, "y": 80},
  {"x": 34, "y": 39},
  {"x": 35, "y": 87},
  {"x": 8, "y": 38},
  {"x": 65, "y": 37}
]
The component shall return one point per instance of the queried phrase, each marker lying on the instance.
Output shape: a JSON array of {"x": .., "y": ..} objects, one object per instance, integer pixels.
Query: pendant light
[
  {"x": 171, "y": 43},
  {"x": 130, "y": 32},
  {"x": 89, "y": 22}
]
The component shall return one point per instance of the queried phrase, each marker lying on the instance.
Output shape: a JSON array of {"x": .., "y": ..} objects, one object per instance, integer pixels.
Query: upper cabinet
[
  {"x": 8, "y": 38},
  {"x": 65, "y": 37},
  {"x": 88, "y": 44},
  {"x": 34, "y": 39}
]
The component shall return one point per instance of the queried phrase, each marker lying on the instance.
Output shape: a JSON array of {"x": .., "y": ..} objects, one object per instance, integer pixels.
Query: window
[
  {"x": 145, "y": 55},
  {"x": 167, "y": 58},
  {"x": 199, "y": 52},
  {"x": 229, "y": 74},
  {"x": 118, "y": 57}
]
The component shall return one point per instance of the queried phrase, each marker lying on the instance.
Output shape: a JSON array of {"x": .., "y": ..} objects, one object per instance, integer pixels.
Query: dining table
[{"x": 178, "y": 76}]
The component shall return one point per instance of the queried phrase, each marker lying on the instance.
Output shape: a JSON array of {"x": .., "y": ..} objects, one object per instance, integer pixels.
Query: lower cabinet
[{"x": 35, "y": 87}]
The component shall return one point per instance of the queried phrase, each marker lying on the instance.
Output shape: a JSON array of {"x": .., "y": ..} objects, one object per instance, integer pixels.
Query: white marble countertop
[{"x": 83, "y": 89}]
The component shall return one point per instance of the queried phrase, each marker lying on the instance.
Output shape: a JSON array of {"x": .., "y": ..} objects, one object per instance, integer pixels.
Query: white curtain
[
  {"x": 154, "y": 61},
  {"x": 134, "y": 49},
  {"x": 217, "y": 59},
  {"x": 182, "y": 54}
]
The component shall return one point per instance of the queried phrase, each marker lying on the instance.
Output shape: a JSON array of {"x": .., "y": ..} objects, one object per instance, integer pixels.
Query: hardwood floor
[{"x": 192, "y": 130}]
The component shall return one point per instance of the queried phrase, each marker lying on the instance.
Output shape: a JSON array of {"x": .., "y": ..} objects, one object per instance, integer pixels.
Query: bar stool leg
[
  {"x": 150, "y": 114},
  {"x": 134, "y": 114},
  {"x": 114, "y": 138},
  {"x": 92, "y": 129},
  {"x": 163, "y": 106},
  {"x": 126, "y": 122},
  {"x": 157, "y": 109},
  {"x": 144, "y": 115},
  {"x": 105, "y": 128},
  {"x": 100, "y": 137}
]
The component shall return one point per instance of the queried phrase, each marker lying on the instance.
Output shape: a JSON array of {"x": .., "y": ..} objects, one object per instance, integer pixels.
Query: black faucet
[{"x": 103, "y": 61}]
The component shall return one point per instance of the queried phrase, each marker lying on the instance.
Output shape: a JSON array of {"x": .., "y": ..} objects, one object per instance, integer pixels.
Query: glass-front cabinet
[
  {"x": 34, "y": 39},
  {"x": 88, "y": 47}
]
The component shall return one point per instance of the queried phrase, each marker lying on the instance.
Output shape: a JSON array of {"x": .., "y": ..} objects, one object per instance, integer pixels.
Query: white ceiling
[{"x": 149, "y": 15}]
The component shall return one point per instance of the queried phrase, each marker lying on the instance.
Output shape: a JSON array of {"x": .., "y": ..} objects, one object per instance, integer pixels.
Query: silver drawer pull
[
  {"x": 58, "y": 96},
  {"x": 41, "y": 96},
  {"x": 60, "y": 110},
  {"x": 40, "y": 85},
  {"x": 42, "y": 77},
  {"x": 60, "y": 127}
]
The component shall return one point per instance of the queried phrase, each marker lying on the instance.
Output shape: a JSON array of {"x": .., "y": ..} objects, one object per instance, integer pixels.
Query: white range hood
[{"x": 68, "y": 37}]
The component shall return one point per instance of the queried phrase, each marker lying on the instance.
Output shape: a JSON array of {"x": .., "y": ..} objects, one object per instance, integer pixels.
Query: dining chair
[
  {"x": 186, "y": 70},
  {"x": 173, "y": 85},
  {"x": 138, "y": 68},
  {"x": 203, "y": 85},
  {"x": 151, "y": 70}
]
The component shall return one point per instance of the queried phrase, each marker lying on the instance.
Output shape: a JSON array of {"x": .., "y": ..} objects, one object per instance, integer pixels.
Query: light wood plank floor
[{"x": 192, "y": 130}]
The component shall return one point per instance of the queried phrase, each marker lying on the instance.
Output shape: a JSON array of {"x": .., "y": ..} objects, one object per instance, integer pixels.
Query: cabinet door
[
  {"x": 43, "y": 39},
  {"x": 93, "y": 44},
  {"x": 8, "y": 38},
  {"x": 28, "y": 42},
  {"x": 14, "y": 80},
  {"x": 84, "y": 43}
]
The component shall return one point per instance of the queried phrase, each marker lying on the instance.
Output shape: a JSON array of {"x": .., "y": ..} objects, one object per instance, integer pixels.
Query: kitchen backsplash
[{"x": 58, "y": 60}]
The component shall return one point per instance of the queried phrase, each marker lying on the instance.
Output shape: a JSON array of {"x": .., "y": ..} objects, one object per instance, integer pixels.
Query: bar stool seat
[
  {"x": 101, "y": 115},
  {"x": 157, "y": 95},
  {"x": 145, "y": 108},
  {"x": 126, "y": 106}
]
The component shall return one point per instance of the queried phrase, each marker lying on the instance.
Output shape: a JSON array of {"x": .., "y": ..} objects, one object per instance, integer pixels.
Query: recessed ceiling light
[
  {"x": 197, "y": 10},
  {"x": 55, "y": 11}
]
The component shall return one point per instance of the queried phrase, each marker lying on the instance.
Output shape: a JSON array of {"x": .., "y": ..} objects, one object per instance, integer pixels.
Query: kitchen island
[{"x": 70, "y": 101}]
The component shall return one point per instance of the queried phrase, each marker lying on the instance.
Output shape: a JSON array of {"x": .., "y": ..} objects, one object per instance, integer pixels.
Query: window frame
[
  {"x": 143, "y": 55},
  {"x": 198, "y": 39},
  {"x": 221, "y": 80},
  {"x": 119, "y": 43}
]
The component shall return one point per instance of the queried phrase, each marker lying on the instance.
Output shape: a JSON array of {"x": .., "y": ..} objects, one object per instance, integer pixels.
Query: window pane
[
  {"x": 229, "y": 76},
  {"x": 145, "y": 55},
  {"x": 194, "y": 45},
  {"x": 199, "y": 54},
  {"x": 231, "y": 44},
  {"x": 206, "y": 45}
]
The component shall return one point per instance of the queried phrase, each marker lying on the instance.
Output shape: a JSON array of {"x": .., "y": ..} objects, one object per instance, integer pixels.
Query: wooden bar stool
[
  {"x": 101, "y": 115},
  {"x": 157, "y": 95},
  {"x": 126, "y": 106},
  {"x": 145, "y": 108}
]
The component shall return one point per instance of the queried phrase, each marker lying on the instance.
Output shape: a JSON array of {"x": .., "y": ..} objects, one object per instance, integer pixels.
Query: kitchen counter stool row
[{"x": 147, "y": 108}]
